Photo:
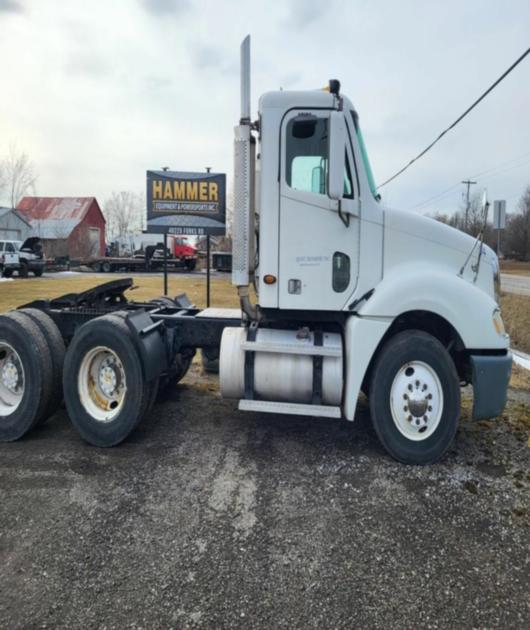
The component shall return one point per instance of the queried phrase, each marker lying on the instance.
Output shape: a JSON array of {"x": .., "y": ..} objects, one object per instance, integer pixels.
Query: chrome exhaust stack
[{"x": 244, "y": 165}]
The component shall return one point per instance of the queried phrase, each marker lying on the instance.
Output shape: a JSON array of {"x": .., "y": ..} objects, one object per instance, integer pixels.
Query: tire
[
  {"x": 97, "y": 267},
  {"x": 37, "y": 273},
  {"x": 96, "y": 425},
  {"x": 106, "y": 267},
  {"x": 210, "y": 360},
  {"x": 151, "y": 388},
  {"x": 19, "y": 334},
  {"x": 7, "y": 273},
  {"x": 414, "y": 368},
  {"x": 23, "y": 270},
  {"x": 190, "y": 265},
  {"x": 103, "y": 420},
  {"x": 57, "y": 350}
]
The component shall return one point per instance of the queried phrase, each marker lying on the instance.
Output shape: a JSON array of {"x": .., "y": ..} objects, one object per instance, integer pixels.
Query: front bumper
[{"x": 490, "y": 378}]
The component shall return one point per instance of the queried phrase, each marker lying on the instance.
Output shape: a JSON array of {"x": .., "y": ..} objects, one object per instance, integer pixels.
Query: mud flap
[{"x": 150, "y": 343}]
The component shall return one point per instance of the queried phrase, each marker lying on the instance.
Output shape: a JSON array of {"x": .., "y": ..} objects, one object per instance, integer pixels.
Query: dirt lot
[
  {"x": 516, "y": 315},
  {"x": 211, "y": 518},
  {"x": 208, "y": 517}
]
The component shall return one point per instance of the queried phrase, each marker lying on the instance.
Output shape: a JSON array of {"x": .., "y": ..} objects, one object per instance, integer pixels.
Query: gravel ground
[{"x": 208, "y": 517}]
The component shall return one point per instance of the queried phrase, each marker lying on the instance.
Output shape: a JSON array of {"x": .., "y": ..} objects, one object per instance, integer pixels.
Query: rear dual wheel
[
  {"x": 26, "y": 376},
  {"x": 105, "y": 392}
]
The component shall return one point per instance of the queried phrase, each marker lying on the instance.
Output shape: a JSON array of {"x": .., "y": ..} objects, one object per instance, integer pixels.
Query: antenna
[{"x": 245, "y": 81}]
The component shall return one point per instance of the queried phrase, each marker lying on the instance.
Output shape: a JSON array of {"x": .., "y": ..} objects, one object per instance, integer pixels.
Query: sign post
[
  {"x": 187, "y": 203},
  {"x": 499, "y": 220}
]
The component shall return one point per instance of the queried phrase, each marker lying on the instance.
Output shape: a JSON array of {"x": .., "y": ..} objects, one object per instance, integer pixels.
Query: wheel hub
[
  {"x": 108, "y": 379},
  {"x": 102, "y": 383},
  {"x": 12, "y": 379},
  {"x": 416, "y": 400},
  {"x": 10, "y": 376}
]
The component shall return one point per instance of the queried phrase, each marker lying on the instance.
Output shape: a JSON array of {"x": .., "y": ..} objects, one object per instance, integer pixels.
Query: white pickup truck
[
  {"x": 23, "y": 257},
  {"x": 9, "y": 259}
]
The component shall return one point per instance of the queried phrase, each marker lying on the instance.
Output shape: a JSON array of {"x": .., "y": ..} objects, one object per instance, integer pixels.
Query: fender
[
  {"x": 467, "y": 308},
  {"x": 415, "y": 287}
]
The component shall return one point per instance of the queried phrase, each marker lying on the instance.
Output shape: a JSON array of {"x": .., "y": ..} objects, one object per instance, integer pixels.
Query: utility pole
[{"x": 468, "y": 183}]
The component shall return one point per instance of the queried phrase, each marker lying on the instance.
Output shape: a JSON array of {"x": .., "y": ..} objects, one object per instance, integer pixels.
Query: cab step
[{"x": 295, "y": 409}]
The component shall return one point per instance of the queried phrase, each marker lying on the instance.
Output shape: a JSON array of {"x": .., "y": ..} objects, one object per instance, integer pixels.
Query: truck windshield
[{"x": 364, "y": 155}]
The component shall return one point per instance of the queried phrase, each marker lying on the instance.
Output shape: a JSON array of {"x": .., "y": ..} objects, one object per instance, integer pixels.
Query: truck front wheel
[{"x": 415, "y": 398}]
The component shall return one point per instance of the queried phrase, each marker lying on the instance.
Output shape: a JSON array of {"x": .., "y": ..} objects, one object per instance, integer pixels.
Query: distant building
[
  {"x": 67, "y": 226},
  {"x": 13, "y": 226}
]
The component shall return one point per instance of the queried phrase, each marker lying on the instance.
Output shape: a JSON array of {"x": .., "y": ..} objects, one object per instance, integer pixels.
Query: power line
[
  {"x": 471, "y": 107},
  {"x": 503, "y": 167}
]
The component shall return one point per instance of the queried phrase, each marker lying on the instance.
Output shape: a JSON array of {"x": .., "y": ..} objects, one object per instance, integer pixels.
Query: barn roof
[
  {"x": 19, "y": 215},
  {"x": 55, "y": 217}
]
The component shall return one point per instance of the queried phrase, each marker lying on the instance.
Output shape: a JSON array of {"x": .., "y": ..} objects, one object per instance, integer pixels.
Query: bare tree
[
  {"x": 18, "y": 175},
  {"x": 124, "y": 213}
]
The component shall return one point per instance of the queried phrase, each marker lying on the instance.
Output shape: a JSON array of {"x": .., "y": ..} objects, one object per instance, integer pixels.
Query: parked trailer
[
  {"x": 109, "y": 264},
  {"x": 351, "y": 297}
]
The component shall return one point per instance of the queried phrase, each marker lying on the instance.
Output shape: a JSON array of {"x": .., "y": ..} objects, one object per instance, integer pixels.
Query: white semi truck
[{"x": 349, "y": 297}]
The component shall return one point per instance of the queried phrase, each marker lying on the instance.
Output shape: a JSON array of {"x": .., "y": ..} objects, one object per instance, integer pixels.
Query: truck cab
[{"x": 412, "y": 302}]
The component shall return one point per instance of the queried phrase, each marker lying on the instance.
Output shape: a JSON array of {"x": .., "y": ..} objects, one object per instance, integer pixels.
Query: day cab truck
[{"x": 351, "y": 297}]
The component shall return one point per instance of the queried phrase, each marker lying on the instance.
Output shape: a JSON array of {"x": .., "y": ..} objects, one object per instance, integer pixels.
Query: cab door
[{"x": 318, "y": 236}]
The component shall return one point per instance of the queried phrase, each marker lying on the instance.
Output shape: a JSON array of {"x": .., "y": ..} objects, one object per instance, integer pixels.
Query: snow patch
[{"x": 521, "y": 359}]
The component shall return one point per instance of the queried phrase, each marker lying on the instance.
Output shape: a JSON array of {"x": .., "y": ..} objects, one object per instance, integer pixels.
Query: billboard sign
[{"x": 180, "y": 202}]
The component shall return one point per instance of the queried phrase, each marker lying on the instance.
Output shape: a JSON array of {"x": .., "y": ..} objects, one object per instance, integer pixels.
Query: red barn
[{"x": 67, "y": 226}]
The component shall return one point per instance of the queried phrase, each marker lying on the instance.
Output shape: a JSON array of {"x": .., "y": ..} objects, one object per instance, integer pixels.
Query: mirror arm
[{"x": 344, "y": 218}]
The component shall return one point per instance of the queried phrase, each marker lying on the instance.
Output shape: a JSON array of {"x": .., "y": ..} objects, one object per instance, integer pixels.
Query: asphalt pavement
[{"x": 515, "y": 284}]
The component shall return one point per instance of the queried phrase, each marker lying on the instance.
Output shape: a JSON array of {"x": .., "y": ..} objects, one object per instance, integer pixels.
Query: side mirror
[{"x": 336, "y": 153}]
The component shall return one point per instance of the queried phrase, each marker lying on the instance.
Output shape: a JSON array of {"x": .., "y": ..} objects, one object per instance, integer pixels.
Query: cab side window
[{"x": 307, "y": 156}]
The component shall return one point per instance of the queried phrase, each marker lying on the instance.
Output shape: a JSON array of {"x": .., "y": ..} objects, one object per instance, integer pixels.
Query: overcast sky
[{"x": 97, "y": 92}]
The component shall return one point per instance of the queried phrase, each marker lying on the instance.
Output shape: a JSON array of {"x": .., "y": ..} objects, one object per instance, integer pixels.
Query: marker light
[{"x": 498, "y": 323}]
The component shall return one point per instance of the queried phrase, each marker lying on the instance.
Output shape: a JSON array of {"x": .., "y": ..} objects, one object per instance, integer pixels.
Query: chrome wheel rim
[
  {"x": 102, "y": 384},
  {"x": 12, "y": 379},
  {"x": 416, "y": 400}
]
